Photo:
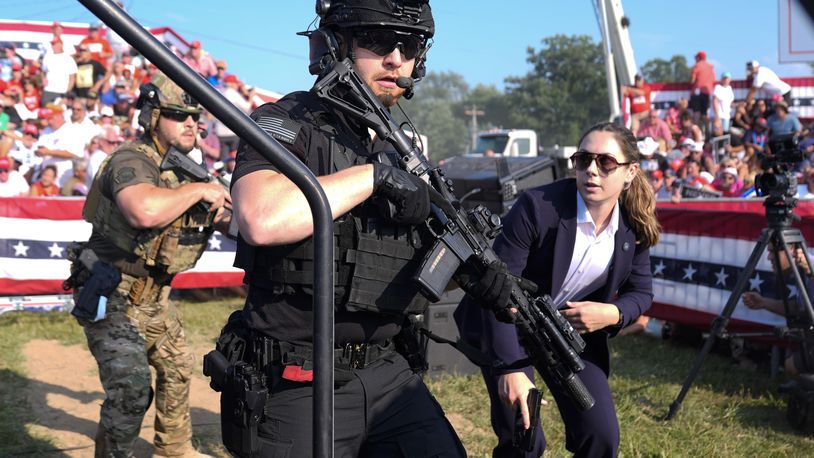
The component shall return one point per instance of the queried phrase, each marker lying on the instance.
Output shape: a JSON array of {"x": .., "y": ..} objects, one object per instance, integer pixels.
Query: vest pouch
[
  {"x": 181, "y": 247},
  {"x": 381, "y": 276},
  {"x": 168, "y": 247}
]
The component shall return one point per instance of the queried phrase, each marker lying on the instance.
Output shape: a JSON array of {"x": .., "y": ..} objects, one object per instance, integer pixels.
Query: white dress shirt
[{"x": 591, "y": 257}]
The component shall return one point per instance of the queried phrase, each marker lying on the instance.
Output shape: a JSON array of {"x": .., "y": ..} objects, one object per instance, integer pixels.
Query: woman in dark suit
[{"x": 585, "y": 242}]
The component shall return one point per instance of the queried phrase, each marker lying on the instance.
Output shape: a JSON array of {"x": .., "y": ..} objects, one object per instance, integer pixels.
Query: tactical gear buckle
[{"x": 355, "y": 354}]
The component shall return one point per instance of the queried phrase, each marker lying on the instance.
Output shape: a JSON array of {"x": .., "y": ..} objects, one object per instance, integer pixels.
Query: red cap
[
  {"x": 31, "y": 129},
  {"x": 676, "y": 164},
  {"x": 195, "y": 44},
  {"x": 232, "y": 78},
  {"x": 657, "y": 174},
  {"x": 56, "y": 24},
  {"x": 4, "y": 163},
  {"x": 16, "y": 66},
  {"x": 701, "y": 55}
]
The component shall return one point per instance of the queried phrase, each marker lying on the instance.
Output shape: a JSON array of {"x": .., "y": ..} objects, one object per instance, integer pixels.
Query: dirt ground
[{"x": 64, "y": 389}]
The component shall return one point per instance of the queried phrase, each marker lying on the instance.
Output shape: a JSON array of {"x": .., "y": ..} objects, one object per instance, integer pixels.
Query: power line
[
  {"x": 241, "y": 44},
  {"x": 44, "y": 12},
  {"x": 28, "y": 3}
]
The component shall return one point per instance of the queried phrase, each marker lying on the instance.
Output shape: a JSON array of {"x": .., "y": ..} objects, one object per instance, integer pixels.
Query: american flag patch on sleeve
[{"x": 284, "y": 130}]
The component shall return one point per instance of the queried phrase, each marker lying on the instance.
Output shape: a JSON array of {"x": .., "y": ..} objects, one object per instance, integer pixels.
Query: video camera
[
  {"x": 785, "y": 151},
  {"x": 779, "y": 183}
]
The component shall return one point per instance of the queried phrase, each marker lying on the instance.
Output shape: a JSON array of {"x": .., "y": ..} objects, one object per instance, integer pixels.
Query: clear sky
[{"x": 485, "y": 41}]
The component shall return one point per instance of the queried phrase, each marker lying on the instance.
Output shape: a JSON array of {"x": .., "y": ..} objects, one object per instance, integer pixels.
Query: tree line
[{"x": 563, "y": 93}]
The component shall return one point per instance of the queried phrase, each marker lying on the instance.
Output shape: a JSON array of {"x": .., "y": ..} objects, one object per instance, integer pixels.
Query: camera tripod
[{"x": 780, "y": 236}]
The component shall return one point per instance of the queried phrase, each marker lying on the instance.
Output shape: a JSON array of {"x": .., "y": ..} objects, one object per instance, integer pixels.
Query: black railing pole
[{"x": 290, "y": 166}]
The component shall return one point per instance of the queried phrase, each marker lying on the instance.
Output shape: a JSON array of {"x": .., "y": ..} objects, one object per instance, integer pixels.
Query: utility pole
[{"x": 474, "y": 112}]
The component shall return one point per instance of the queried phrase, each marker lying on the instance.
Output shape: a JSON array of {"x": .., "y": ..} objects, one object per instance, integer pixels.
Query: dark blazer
[{"x": 537, "y": 243}]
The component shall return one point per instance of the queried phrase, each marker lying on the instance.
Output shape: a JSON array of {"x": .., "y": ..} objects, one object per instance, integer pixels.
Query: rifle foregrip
[{"x": 579, "y": 392}]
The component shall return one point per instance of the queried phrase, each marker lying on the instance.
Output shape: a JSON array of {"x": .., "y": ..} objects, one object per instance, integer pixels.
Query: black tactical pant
[{"x": 383, "y": 410}]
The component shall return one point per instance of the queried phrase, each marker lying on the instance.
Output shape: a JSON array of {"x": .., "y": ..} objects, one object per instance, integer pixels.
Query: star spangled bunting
[
  {"x": 53, "y": 250},
  {"x": 284, "y": 130},
  {"x": 712, "y": 275}
]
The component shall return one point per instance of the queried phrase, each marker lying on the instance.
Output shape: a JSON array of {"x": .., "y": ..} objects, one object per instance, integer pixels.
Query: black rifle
[
  {"x": 462, "y": 237},
  {"x": 183, "y": 166}
]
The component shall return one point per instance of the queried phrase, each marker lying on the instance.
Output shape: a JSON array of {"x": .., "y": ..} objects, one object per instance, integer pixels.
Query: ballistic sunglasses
[
  {"x": 606, "y": 163},
  {"x": 179, "y": 116},
  {"x": 383, "y": 42}
]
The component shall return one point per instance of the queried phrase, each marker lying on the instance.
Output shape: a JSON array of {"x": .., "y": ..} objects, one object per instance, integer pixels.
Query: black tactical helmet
[{"x": 413, "y": 16}]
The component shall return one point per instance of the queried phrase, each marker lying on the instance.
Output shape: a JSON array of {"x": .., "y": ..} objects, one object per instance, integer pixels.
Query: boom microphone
[{"x": 404, "y": 82}]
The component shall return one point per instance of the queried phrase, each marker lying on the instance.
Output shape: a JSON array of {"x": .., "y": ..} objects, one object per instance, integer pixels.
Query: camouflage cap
[{"x": 171, "y": 96}]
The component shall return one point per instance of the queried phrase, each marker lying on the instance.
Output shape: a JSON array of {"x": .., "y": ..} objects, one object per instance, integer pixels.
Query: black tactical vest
[{"x": 374, "y": 261}]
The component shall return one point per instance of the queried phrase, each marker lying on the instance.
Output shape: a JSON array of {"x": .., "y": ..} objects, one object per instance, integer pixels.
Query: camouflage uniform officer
[{"x": 149, "y": 225}]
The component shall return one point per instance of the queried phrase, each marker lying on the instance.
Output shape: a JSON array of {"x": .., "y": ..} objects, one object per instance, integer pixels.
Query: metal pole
[
  {"x": 291, "y": 167},
  {"x": 610, "y": 67}
]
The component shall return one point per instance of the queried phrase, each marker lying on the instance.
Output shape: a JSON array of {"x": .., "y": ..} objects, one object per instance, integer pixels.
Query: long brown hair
[{"x": 637, "y": 200}]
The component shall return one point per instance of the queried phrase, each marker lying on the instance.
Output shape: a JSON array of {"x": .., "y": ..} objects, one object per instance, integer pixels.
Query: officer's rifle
[
  {"x": 185, "y": 167},
  {"x": 462, "y": 237}
]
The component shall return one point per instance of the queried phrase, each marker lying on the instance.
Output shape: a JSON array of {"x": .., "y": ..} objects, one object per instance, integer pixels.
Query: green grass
[{"x": 729, "y": 412}]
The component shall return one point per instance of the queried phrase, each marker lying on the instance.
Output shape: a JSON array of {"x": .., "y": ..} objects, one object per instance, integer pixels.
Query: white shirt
[
  {"x": 26, "y": 156},
  {"x": 767, "y": 80},
  {"x": 725, "y": 96},
  {"x": 58, "y": 70},
  {"x": 15, "y": 186},
  {"x": 70, "y": 137},
  {"x": 591, "y": 257},
  {"x": 94, "y": 163}
]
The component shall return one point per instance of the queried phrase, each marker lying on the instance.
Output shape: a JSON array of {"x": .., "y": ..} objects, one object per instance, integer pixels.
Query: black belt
[{"x": 348, "y": 356}]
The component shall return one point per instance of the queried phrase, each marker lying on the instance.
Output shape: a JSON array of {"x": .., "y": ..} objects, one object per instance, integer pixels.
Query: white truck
[{"x": 507, "y": 143}]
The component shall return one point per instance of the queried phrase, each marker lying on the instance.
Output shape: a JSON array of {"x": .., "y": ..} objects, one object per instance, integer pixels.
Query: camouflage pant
[{"x": 125, "y": 343}]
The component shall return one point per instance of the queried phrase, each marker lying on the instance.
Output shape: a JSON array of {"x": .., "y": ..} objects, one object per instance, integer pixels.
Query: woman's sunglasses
[
  {"x": 383, "y": 42},
  {"x": 179, "y": 116},
  {"x": 606, "y": 163}
]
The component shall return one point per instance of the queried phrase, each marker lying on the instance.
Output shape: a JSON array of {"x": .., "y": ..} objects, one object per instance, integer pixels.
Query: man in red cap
[
  {"x": 200, "y": 61},
  {"x": 12, "y": 184},
  {"x": 23, "y": 148},
  {"x": 56, "y": 27},
  {"x": 702, "y": 80},
  {"x": 60, "y": 72},
  {"x": 100, "y": 49}
]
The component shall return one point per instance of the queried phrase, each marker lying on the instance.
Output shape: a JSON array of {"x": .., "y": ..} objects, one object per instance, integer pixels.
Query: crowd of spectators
[
  {"x": 64, "y": 112},
  {"x": 712, "y": 145}
]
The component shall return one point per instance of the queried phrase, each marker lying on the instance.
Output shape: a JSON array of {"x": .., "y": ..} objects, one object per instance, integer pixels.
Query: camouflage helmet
[
  {"x": 414, "y": 16},
  {"x": 162, "y": 92}
]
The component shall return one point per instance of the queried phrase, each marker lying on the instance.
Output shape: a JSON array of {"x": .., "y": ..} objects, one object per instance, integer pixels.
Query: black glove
[
  {"x": 490, "y": 288},
  {"x": 405, "y": 198}
]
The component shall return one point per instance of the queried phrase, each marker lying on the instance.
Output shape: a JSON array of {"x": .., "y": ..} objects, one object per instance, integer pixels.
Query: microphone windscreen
[{"x": 404, "y": 82}]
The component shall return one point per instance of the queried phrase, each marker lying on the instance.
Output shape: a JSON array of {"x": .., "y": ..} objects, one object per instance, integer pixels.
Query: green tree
[
  {"x": 434, "y": 110},
  {"x": 564, "y": 93},
  {"x": 667, "y": 71}
]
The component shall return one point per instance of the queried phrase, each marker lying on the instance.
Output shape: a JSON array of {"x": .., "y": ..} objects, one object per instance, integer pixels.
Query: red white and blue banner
[
  {"x": 34, "y": 234},
  {"x": 704, "y": 247}
]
